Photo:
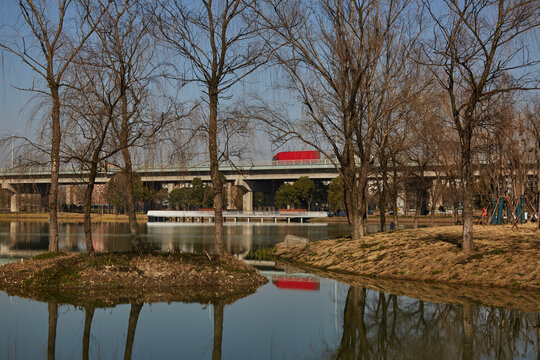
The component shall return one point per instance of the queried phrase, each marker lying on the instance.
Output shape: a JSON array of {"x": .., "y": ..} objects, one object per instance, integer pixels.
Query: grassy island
[
  {"x": 105, "y": 279},
  {"x": 504, "y": 258}
]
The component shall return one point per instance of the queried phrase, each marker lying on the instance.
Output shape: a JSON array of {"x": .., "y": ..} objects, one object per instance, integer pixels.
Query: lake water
[{"x": 284, "y": 319}]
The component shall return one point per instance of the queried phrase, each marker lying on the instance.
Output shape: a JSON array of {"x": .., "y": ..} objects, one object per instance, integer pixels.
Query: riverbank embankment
[
  {"x": 503, "y": 258},
  {"x": 64, "y": 217},
  {"x": 80, "y": 279}
]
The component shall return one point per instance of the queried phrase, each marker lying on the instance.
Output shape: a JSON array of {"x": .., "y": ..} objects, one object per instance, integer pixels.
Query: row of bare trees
[
  {"x": 376, "y": 86},
  {"x": 380, "y": 79}
]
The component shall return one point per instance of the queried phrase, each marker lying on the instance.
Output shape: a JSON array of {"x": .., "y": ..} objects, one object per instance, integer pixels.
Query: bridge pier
[
  {"x": 15, "y": 202},
  {"x": 247, "y": 201}
]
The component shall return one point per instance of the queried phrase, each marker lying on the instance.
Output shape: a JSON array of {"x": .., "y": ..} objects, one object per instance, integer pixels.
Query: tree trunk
[
  {"x": 467, "y": 179},
  {"x": 218, "y": 331},
  {"x": 432, "y": 210},
  {"x": 53, "y": 320},
  {"x": 395, "y": 211},
  {"x": 55, "y": 169},
  {"x": 417, "y": 209},
  {"x": 382, "y": 199},
  {"x": 354, "y": 203},
  {"x": 215, "y": 175},
  {"x": 87, "y": 207},
  {"x": 537, "y": 152},
  {"x": 416, "y": 215},
  {"x": 132, "y": 327},
  {"x": 394, "y": 192},
  {"x": 136, "y": 244},
  {"x": 88, "y": 317},
  {"x": 455, "y": 212}
]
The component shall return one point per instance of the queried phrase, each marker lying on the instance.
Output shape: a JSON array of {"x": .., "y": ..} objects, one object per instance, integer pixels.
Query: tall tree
[
  {"x": 128, "y": 51},
  {"x": 476, "y": 53},
  {"x": 55, "y": 36},
  {"x": 343, "y": 60},
  {"x": 220, "y": 45},
  {"x": 90, "y": 114}
]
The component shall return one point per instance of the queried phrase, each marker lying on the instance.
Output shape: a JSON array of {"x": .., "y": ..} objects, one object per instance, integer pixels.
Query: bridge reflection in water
[{"x": 25, "y": 239}]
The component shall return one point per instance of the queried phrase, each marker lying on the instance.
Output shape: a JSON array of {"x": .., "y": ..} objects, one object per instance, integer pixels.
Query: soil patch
[
  {"x": 108, "y": 279},
  {"x": 504, "y": 258}
]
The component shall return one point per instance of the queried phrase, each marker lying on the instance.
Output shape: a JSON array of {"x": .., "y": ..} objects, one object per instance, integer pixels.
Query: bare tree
[
  {"x": 533, "y": 126},
  {"x": 91, "y": 103},
  {"x": 57, "y": 35},
  {"x": 343, "y": 60},
  {"x": 128, "y": 47},
  {"x": 476, "y": 45},
  {"x": 220, "y": 46}
]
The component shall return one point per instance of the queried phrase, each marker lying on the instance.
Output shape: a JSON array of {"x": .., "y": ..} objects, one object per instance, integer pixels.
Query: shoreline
[
  {"x": 64, "y": 217},
  {"x": 439, "y": 292},
  {"x": 503, "y": 259}
]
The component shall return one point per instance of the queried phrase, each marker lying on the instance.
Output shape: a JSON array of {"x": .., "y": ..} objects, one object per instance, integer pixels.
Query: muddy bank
[
  {"x": 108, "y": 279},
  {"x": 503, "y": 258},
  {"x": 437, "y": 292}
]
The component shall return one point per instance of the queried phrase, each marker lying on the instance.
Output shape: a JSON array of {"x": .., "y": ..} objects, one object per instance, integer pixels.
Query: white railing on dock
[{"x": 236, "y": 214}]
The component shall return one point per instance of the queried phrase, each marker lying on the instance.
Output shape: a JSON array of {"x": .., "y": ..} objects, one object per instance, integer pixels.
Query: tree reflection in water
[
  {"x": 379, "y": 325},
  {"x": 53, "y": 320},
  {"x": 132, "y": 326},
  {"x": 88, "y": 317},
  {"x": 218, "y": 330}
]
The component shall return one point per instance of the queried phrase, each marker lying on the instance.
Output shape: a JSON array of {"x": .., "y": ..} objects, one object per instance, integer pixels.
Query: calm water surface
[{"x": 326, "y": 320}]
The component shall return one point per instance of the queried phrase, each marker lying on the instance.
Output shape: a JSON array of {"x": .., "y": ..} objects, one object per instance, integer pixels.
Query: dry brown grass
[
  {"x": 79, "y": 279},
  {"x": 504, "y": 257}
]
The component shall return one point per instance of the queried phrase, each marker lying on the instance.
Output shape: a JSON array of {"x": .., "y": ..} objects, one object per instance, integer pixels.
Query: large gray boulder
[{"x": 291, "y": 240}]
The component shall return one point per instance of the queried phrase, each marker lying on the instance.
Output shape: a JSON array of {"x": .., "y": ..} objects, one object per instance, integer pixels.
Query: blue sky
[{"x": 16, "y": 106}]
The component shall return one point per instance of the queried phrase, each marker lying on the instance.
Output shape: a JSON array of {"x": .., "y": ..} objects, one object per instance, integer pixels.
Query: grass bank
[
  {"x": 503, "y": 258},
  {"x": 108, "y": 279},
  {"x": 68, "y": 217},
  {"x": 403, "y": 220}
]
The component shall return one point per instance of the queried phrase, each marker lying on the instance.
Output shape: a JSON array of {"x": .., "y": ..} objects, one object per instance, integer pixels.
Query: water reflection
[
  {"x": 379, "y": 325},
  {"x": 372, "y": 325},
  {"x": 21, "y": 238},
  {"x": 135, "y": 311}
]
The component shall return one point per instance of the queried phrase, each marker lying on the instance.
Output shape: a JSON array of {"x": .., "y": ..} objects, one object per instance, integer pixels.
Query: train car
[{"x": 296, "y": 157}]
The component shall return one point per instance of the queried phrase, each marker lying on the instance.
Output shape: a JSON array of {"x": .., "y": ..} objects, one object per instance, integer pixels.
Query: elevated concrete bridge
[{"x": 250, "y": 177}]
